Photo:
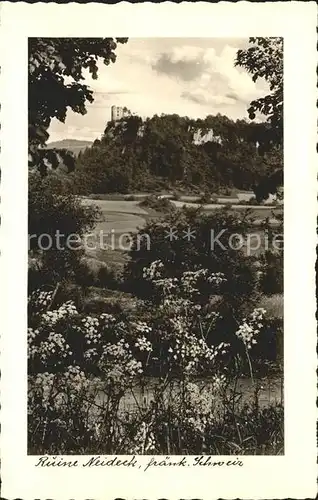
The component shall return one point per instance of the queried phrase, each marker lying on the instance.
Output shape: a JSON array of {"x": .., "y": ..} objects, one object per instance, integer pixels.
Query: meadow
[{"x": 188, "y": 392}]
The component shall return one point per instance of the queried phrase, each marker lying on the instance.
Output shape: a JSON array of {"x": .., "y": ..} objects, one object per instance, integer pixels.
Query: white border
[{"x": 292, "y": 475}]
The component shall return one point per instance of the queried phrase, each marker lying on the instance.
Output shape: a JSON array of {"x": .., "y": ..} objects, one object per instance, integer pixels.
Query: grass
[
  {"x": 100, "y": 300},
  {"x": 115, "y": 258},
  {"x": 225, "y": 428},
  {"x": 274, "y": 305},
  {"x": 111, "y": 197}
]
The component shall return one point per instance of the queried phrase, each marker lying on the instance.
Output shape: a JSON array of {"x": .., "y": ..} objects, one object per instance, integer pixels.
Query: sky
[{"x": 192, "y": 77}]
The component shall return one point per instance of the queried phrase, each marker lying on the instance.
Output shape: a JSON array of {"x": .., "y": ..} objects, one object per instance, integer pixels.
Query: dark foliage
[
  {"x": 52, "y": 219},
  {"x": 264, "y": 59},
  {"x": 55, "y": 84},
  {"x": 172, "y": 152}
]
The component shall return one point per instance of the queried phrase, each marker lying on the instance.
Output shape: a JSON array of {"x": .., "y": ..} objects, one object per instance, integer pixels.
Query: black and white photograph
[
  {"x": 155, "y": 283},
  {"x": 157, "y": 250}
]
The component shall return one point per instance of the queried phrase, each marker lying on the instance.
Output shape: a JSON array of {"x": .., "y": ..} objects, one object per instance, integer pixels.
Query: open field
[
  {"x": 117, "y": 218},
  {"x": 128, "y": 215},
  {"x": 120, "y": 218},
  {"x": 188, "y": 198}
]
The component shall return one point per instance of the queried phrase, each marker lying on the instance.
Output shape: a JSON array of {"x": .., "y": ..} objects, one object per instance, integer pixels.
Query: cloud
[
  {"x": 210, "y": 76},
  {"x": 233, "y": 96},
  {"x": 106, "y": 95},
  {"x": 193, "y": 97},
  {"x": 190, "y": 77},
  {"x": 185, "y": 63},
  {"x": 204, "y": 98}
]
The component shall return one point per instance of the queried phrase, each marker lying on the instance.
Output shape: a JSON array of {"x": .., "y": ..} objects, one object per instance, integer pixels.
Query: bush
[
  {"x": 161, "y": 205},
  {"x": 239, "y": 289},
  {"x": 205, "y": 199},
  {"x": 51, "y": 214},
  {"x": 97, "y": 196},
  {"x": 81, "y": 366},
  {"x": 179, "y": 254},
  {"x": 251, "y": 201},
  {"x": 272, "y": 278},
  {"x": 93, "y": 272},
  {"x": 225, "y": 191},
  {"x": 176, "y": 196}
]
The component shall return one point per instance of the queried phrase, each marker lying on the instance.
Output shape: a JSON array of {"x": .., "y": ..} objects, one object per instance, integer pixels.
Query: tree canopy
[
  {"x": 264, "y": 59},
  {"x": 56, "y": 67},
  {"x": 171, "y": 151}
]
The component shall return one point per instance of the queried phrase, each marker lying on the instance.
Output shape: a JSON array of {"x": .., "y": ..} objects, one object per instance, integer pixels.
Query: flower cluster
[
  {"x": 188, "y": 286},
  {"x": 90, "y": 362},
  {"x": 92, "y": 334},
  {"x": 197, "y": 404},
  {"x": 107, "y": 320},
  {"x": 43, "y": 387},
  {"x": 143, "y": 344},
  {"x": 191, "y": 280},
  {"x": 154, "y": 271},
  {"x": 184, "y": 324},
  {"x": 62, "y": 336},
  {"x": 39, "y": 300},
  {"x": 166, "y": 285},
  {"x": 77, "y": 376},
  {"x": 140, "y": 327},
  {"x": 144, "y": 440},
  {"x": 200, "y": 399},
  {"x": 250, "y": 328},
  {"x": 219, "y": 382},
  {"x": 193, "y": 354},
  {"x": 217, "y": 278},
  {"x": 118, "y": 364},
  {"x": 91, "y": 355},
  {"x": 54, "y": 392},
  {"x": 50, "y": 318}
]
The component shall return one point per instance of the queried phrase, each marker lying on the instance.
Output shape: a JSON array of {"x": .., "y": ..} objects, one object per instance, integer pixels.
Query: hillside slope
[{"x": 73, "y": 145}]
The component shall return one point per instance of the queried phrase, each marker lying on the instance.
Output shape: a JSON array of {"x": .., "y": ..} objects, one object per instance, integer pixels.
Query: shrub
[
  {"x": 272, "y": 278},
  {"x": 205, "y": 199},
  {"x": 251, "y": 201},
  {"x": 176, "y": 196},
  {"x": 225, "y": 191},
  {"x": 178, "y": 254},
  {"x": 75, "y": 359},
  {"x": 52, "y": 214},
  {"x": 97, "y": 196},
  {"x": 93, "y": 272},
  {"x": 161, "y": 205}
]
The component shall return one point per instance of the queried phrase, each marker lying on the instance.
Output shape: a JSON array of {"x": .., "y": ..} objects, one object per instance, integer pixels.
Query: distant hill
[{"x": 73, "y": 145}]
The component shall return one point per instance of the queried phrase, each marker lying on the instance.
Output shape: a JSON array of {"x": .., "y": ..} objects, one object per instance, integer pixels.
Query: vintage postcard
[{"x": 158, "y": 209}]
